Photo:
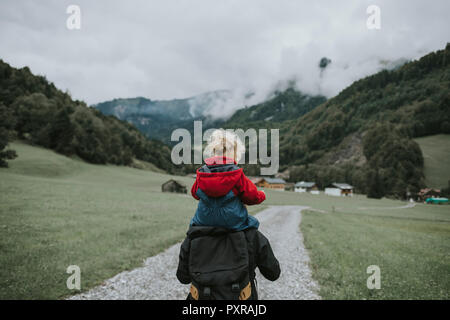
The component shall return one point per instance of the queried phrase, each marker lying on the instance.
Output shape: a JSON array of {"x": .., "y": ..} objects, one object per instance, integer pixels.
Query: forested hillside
[
  {"x": 158, "y": 118},
  {"x": 286, "y": 105},
  {"x": 363, "y": 136},
  {"x": 33, "y": 109}
]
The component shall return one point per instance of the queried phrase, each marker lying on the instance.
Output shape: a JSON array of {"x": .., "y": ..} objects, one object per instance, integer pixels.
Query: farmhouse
[
  {"x": 426, "y": 193},
  {"x": 271, "y": 183},
  {"x": 173, "y": 186},
  {"x": 339, "y": 189},
  {"x": 289, "y": 186},
  {"x": 304, "y": 186}
]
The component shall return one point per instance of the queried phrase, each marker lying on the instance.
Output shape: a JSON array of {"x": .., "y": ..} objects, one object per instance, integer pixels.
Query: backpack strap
[
  {"x": 195, "y": 294},
  {"x": 207, "y": 293},
  {"x": 251, "y": 257}
]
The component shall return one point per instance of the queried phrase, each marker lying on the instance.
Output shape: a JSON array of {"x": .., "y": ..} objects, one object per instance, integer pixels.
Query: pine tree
[{"x": 376, "y": 189}]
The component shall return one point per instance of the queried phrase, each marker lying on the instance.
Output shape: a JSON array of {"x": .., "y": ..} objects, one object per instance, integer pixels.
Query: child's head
[{"x": 225, "y": 143}]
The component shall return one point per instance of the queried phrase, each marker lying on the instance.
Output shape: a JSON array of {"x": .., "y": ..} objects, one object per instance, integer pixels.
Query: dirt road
[{"x": 157, "y": 280}]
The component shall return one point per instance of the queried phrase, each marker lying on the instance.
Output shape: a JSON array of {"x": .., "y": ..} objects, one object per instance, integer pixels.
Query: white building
[
  {"x": 304, "y": 186},
  {"x": 339, "y": 189}
]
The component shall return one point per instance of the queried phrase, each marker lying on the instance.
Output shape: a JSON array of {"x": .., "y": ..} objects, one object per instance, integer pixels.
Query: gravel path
[
  {"x": 281, "y": 225},
  {"x": 157, "y": 280}
]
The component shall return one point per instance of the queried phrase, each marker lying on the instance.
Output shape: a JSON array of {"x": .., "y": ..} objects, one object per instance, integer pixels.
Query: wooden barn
[
  {"x": 271, "y": 183},
  {"x": 304, "y": 186},
  {"x": 174, "y": 186},
  {"x": 339, "y": 189}
]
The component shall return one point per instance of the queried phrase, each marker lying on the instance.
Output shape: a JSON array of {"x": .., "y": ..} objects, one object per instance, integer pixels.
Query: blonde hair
[{"x": 225, "y": 143}]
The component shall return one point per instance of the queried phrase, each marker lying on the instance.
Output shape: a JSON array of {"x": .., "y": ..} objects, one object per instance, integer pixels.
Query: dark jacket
[
  {"x": 208, "y": 249},
  {"x": 223, "y": 189}
]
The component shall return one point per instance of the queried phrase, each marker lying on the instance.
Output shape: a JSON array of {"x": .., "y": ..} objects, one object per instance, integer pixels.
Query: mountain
[
  {"x": 158, "y": 118},
  {"x": 33, "y": 109},
  {"x": 285, "y": 105},
  {"x": 364, "y": 135}
]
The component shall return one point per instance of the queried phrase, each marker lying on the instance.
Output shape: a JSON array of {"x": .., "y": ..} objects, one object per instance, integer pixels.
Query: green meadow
[
  {"x": 436, "y": 154},
  {"x": 57, "y": 211},
  {"x": 411, "y": 246}
]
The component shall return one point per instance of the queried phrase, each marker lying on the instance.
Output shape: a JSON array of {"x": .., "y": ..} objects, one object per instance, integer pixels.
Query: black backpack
[{"x": 219, "y": 266}]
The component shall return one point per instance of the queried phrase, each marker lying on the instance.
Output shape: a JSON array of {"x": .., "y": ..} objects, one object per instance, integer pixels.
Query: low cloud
[{"x": 178, "y": 49}]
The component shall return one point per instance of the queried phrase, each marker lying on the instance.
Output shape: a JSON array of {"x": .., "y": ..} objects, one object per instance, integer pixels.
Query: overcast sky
[{"x": 164, "y": 49}]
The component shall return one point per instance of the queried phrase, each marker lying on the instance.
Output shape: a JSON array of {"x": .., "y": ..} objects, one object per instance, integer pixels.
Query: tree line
[
  {"x": 388, "y": 110},
  {"x": 33, "y": 109}
]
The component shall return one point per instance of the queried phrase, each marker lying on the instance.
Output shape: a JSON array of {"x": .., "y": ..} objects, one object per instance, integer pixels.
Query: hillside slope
[
  {"x": 286, "y": 105},
  {"x": 436, "y": 154},
  {"x": 57, "y": 211},
  {"x": 377, "y": 117},
  {"x": 33, "y": 109},
  {"x": 158, "y": 118}
]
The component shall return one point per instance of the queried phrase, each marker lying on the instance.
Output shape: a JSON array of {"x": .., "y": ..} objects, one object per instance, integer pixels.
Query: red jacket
[{"x": 217, "y": 184}]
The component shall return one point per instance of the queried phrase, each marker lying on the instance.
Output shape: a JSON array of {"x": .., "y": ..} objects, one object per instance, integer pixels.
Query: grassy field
[
  {"x": 436, "y": 153},
  {"x": 346, "y": 235},
  {"x": 410, "y": 245},
  {"x": 56, "y": 211}
]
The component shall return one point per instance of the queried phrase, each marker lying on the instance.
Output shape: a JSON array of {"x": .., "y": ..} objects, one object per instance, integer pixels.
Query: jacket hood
[{"x": 218, "y": 184}]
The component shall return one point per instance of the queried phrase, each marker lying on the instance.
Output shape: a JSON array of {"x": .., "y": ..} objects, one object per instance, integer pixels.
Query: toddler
[{"x": 222, "y": 188}]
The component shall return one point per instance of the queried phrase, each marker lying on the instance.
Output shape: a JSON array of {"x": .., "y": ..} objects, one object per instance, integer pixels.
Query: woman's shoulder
[{"x": 255, "y": 236}]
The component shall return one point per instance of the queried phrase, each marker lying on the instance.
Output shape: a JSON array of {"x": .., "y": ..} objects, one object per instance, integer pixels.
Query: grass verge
[
  {"x": 412, "y": 253},
  {"x": 56, "y": 211}
]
